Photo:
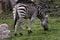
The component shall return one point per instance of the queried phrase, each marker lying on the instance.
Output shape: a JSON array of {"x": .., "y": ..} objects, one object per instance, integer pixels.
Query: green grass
[
  {"x": 38, "y": 33},
  {"x": 57, "y": 1}
]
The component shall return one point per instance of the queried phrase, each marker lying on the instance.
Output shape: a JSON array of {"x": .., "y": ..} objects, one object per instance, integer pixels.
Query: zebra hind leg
[
  {"x": 15, "y": 25},
  {"x": 20, "y": 25}
]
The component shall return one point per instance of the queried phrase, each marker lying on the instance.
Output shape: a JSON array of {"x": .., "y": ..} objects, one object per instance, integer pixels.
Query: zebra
[
  {"x": 30, "y": 12},
  {"x": 23, "y": 10}
]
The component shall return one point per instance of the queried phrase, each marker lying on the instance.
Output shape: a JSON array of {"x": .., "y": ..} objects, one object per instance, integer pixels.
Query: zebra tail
[{"x": 16, "y": 18}]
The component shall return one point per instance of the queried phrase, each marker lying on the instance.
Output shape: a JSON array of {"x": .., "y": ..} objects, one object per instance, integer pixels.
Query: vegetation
[{"x": 38, "y": 33}]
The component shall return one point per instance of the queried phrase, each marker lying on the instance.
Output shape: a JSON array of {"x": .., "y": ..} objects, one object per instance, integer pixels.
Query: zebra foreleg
[
  {"x": 30, "y": 23},
  {"x": 29, "y": 26}
]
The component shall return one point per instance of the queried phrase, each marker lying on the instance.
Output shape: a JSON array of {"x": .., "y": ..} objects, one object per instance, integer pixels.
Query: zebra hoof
[
  {"x": 15, "y": 34},
  {"x": 26, "y": 27},
  {"x": 29, "y": 32},
  {"x": 21, "y": 34},
  {"x": 46, "y": 29}
]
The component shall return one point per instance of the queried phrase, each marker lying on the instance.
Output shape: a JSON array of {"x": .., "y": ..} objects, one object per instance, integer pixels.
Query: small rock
[{"x": 4, "y": 31}]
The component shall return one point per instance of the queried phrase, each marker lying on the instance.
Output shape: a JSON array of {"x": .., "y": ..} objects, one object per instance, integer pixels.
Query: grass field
[{"x": 38, "y": 33}]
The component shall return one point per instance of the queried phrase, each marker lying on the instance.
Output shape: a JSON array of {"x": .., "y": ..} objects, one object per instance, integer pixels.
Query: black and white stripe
[{"x": 21, "y": 9}]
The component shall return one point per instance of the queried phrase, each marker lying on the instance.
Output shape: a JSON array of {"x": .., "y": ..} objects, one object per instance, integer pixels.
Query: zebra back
[{"x": 25, "y": 10}]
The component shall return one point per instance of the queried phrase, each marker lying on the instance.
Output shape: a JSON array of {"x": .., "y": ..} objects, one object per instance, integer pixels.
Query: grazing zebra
[
  {"x": 21, "y": 11},
  {"x": 24, "y": 10}
]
